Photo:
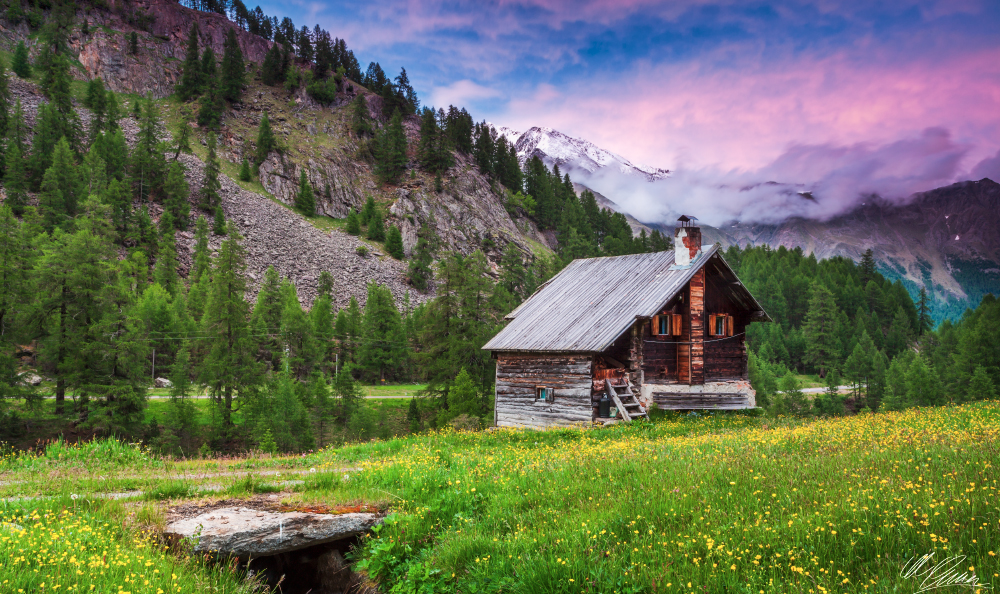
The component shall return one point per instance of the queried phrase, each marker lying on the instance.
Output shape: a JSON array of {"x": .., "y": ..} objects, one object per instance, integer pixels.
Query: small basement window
[{"x": 543, "y": 394}]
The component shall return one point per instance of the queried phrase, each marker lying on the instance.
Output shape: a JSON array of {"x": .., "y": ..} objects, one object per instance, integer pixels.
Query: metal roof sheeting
[{"x": 588, "y": 305}]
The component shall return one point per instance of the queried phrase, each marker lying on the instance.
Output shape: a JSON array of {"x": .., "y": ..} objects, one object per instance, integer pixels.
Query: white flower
[
  {"x": 347, "y": 477},
  {"x": 312, "y": 470},
  {"x": 73, "y": 496}
]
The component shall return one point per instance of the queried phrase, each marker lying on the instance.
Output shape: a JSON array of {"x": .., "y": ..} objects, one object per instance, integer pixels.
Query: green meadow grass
[{"x": 699, "y": 503}]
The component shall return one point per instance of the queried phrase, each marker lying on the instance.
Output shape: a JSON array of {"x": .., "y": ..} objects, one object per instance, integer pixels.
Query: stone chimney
[{"x": 687, "y": 240}]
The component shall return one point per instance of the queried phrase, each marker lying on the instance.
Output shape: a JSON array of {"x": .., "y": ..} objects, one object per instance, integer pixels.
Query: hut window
[
  {"x": 667, "y": 325},
  {"x": 543, "y": 394},
  {"x": 720, "y": 325}
]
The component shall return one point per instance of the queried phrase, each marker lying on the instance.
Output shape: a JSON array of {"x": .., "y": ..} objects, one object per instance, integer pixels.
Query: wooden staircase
[{"x": 625, "y": 401}]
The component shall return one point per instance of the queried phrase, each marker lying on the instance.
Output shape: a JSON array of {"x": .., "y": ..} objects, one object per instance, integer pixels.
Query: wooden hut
[{"x": 666, "y": 327}]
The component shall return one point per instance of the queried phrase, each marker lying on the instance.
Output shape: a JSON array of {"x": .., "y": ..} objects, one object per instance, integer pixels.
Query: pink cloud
[{"x": 745, "y": 116}]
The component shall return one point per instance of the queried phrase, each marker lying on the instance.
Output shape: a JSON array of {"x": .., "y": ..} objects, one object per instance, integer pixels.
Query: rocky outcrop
[
  {"x": 275, "y": 235},
  {"x": 246, "y": 533},
  {"x": 156, "y": 67}
]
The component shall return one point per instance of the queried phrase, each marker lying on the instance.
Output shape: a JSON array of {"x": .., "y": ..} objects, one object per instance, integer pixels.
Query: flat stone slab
[{"x": 245, "y": 532}]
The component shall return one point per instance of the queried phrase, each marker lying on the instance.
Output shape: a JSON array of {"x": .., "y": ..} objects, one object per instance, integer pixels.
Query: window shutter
[
  {"x": 711, "y": 324},
  {"x": 729, "y": 325},
  {"x": 678, "y": 324},
  {"x": 656, "y": 325}
]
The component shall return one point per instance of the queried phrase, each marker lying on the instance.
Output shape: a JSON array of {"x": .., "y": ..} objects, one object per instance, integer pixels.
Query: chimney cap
[{"x": 686, "y": 219}]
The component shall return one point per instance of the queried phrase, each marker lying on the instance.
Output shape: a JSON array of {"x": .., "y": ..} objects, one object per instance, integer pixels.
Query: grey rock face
[{"x": 245, "y": 533}]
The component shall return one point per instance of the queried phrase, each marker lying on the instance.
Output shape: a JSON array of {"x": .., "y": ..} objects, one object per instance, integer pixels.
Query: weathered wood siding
[
  {"x": 724, "y": 359},
  {"x": 568, "y": 375},
  {"x": 697, "y": 313}
]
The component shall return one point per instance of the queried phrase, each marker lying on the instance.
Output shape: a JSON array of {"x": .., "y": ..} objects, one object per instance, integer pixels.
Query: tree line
[{"x": 851, "y": 326}]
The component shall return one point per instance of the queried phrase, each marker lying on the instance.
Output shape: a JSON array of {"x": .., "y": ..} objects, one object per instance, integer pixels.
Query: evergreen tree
[
  {"x": 245, "y": 174},
  {"x": 349, "y": 394},
  {"x": 177, "y": 192},
  {"x": 271, "y": 72},
  {"x": 325, "y": 285},
  {"x": 981, "y": 386},
  {"x": 201, "y": 260},
  {"x": 166, "y": 261},
  {"x": 382, "y": 348},
  {"x": 793, "y": 401},
  {"x": 97, "y": 101},
  {"x": 210, "y": 186},
  {"x": 20, "y": 64},
  {"x": 924, "y": 321},
  {"x": 184, "y": 414},
  {"x": 376, "y": 228},
  {"x": 297, "y": 335},
  {"x": 321, "y": 318},
  {"x": 413, "y": 416},
  {"x": 420, "y": 272},
  {"x": 394, "y": 243},
  {"x": 266, "y": 319},
  {"x": 360, "y": 118},
  {"x": 898, "y": 336},
  {"x": 229, "y": 367},
  {"x": 190, "y": 84},
  {"x": 353, "y": 222},
  {"x": 119, "y": 198},
  {"x": 305, "y": 201},
  {"x": 112, "y": 112},
  {"x": 219, "y": 221},
  {"x": 62, "y": 188},
  {"x": 823, "y": 344},
  {"x": 148, "y": 163},
  {"x": 390, "y": 154},
  {"x": 266, "y": 141},
  {"x": 867, "y": 266},
  {"x": 183, "y": 138},
  {"x": 455, "y": 324},
  {"x": 233, "y": 69},
  {"x": 210, "y": 106},
  {"x": 14, "y": 181},
  {"x": 368, "y": 210},
  {"x": 5, "y": 109},
  {"x": 923, "y": 388}
]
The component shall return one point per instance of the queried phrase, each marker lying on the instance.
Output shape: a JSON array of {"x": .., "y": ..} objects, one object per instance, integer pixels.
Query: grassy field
[{"x": 710, "y": 503}]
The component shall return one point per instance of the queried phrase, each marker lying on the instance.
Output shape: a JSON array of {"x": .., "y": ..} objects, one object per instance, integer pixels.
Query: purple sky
[{"x": 894, "y": 98}]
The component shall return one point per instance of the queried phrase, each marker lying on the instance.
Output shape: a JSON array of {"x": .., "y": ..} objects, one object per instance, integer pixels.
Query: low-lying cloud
[{"x": 811, "y": 181}]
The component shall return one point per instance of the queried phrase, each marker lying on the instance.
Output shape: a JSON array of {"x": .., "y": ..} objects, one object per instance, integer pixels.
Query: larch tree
[
  {"x": 210, "y": 185},
  {"x": 20, "y": 63},
  {"x": 229, "y": 367},
  {"x": 190, "y": 83},
  {"x": 177, "y": 192},
  {"x": 394, "y": 243},
  {"x": 822, "y": 343},
  {"x": 266, "y": 142},
  {"x": 390, "y": 154},
  {"x": 233, "y": 69},
  {"x": 305, "y": 200}
]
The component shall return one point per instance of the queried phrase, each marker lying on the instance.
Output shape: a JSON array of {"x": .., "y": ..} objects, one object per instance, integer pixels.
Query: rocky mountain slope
[{"x": 468, "y": 214}]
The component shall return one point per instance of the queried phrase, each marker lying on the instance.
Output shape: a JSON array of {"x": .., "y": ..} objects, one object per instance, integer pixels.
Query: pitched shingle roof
[{"x": 588, "y": 305}]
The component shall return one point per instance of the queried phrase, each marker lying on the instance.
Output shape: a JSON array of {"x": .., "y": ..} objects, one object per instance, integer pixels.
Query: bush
[
  {"x": 323, "y": 91},
  {"x": 362, "y": 251}
]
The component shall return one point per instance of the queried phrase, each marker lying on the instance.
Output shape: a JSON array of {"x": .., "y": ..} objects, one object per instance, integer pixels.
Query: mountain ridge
[{"x": 945, "y": 239}]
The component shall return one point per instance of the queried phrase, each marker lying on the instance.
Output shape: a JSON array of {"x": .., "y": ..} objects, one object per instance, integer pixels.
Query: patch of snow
[{"x": 956, "y": 238}]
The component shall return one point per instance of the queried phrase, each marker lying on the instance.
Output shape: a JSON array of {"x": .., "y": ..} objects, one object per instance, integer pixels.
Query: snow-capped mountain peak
[{"x": 555, "y": 148}]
